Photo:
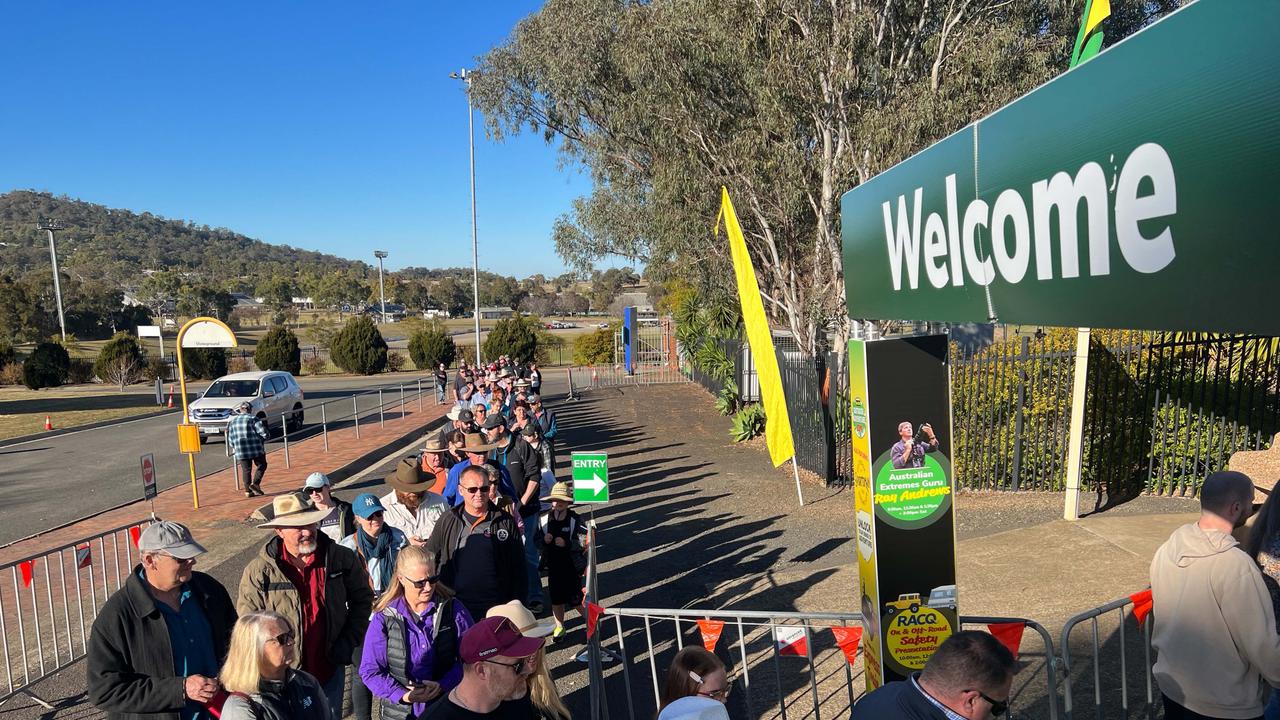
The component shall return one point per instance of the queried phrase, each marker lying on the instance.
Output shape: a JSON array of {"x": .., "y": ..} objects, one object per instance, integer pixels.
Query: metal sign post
[
  {"x": 201, "y": 332},
  {"x": 149, "y": 480}
]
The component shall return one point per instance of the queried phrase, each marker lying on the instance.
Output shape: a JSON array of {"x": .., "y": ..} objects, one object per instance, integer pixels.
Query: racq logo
[{"x": 946, "y": 243}]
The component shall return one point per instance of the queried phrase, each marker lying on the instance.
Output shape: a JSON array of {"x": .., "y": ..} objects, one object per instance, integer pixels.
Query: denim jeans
[
  {"x": 334, "y": 690},
  {"x": 532, "y": 559},
  {"x": 1273, "y": 706},
  {"x": 361, "y": 698},
  {"x": 439, "y": 393}
]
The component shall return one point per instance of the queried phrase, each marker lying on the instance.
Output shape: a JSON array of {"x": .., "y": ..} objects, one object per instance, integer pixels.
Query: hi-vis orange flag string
[{"x": 777, "y": 428}]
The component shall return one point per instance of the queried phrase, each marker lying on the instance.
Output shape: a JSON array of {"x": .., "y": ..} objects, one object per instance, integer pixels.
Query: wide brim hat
[
  {"x": 453, "y": 412},
  {"x": 474, "y": 443},
  {"x": 523, "y": 383},
  {"x": 435, "y": 444},
  {"x": 560, "y": 491},
  {"x": 523, "y": 619},
  {"x": 410, "y": 477},
  {"x": 292, "y": 510}
]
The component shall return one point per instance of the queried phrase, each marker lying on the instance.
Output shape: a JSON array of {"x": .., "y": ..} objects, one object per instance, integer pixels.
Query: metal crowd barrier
[
  {"x": 51, "y": 601},
  {"x": 820, "y": 683},
  {"x": 1104, "y": 699},
  {"x": 606, "y": 376}
]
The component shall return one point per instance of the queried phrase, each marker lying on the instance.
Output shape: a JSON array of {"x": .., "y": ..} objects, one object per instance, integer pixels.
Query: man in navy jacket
[{"x": 968, "y": 677}]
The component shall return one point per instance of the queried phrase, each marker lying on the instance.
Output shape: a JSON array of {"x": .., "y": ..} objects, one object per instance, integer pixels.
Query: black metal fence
[{"x": 1162, "y": 410}]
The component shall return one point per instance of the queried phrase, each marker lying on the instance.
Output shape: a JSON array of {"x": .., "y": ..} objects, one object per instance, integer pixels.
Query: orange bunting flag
[
  {"x": 26, "y": 568},
  {"x": 84, "y": 556},
  {"x": 710, "y": 630},
  {"x": 593, "y": 616},
  {"x": 791, "y": 640},
  {"x": 1141, "y": 605},
  {"x": 1009, "y": 635},
  {"x": 847, "y": 639},
  {"x": 135, "y": 534}
]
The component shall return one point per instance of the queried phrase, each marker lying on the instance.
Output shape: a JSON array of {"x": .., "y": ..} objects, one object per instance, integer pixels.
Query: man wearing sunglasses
[
  {"x": 158, "y": 643},
  {"x": 968, "y": 677},
  {"x": 478, "y": 548},
  {"x": 496, "y": 664}
]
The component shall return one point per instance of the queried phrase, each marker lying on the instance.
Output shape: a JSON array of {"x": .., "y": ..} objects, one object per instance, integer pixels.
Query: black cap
[{"x": 493, "y": 420}]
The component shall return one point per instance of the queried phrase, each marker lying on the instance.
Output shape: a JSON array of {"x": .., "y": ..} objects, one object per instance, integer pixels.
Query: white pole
[
  {"x": 475, "y": 247},
  {"x": 1075, "y": 439},
  {"x": 795, "y": 469}
]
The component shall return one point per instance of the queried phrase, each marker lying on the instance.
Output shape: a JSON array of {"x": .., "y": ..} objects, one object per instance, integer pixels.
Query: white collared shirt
[{"x": 420, "y": 524}]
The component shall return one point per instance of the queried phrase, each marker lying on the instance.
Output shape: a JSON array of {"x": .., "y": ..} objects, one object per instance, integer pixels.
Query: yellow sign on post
[{"x": 201, "y": 332}]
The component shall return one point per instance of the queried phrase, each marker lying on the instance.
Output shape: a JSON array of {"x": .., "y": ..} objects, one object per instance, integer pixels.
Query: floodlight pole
[
  {"x": 50, "y": 226},
  {"x": 382, "y": 298},
  {"x": 465, "y": 76}
]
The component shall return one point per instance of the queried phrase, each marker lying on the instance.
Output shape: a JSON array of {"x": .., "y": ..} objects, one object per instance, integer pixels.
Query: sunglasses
[
  {"x": 998, "y": 707},
  {"x": 313, "y": 491},
  {"x": 419, "y": 584},
  {"x": 517, "y": 667},
  {"x": 180, "y": 561},
  {"x": 476, "y": 489},
  {"x": 284, "y": 639},
  {"x": 721, "y": 695}
]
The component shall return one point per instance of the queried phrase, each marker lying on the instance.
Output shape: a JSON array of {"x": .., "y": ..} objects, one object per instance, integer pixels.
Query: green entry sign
[
  {"x": 590, "y": 477},
  {"x": 1137, "y": 190}
]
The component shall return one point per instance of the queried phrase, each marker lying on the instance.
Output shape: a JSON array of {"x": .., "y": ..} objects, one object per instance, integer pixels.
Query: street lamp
[
  {"x": 49, "y": 225},
  {"x": 465, "y": 77},
  {"x": 382, "y": 298}
]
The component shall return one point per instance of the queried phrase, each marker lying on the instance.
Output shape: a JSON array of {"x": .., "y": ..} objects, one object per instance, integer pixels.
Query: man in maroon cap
[{"x": 495, "y": 667}]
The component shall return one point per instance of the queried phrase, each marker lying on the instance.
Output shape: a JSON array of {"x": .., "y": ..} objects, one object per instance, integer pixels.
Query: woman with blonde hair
[
  {"x": 259, "y": 676},
  {"x": 541, "y": 700},
  {"x": 410, "y": 655},
  {"x": 697, "y": 686}
]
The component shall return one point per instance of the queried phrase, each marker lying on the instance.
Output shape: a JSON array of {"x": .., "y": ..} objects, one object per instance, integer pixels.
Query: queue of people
[{"x": 427, "y": 594}]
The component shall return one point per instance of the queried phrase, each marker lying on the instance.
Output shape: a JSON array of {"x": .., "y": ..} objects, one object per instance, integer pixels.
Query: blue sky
[{"x": 331, "y": 126}]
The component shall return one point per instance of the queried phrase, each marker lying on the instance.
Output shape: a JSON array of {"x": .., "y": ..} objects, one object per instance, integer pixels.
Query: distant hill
[{"x": 115, "y": 246}]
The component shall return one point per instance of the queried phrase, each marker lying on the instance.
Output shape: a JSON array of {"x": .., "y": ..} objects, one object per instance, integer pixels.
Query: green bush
[
  {"x": 515, "y": 337},
  {"x": 204, "y": 363},
  {"x": 748, "y": 423},
  {"x": 728, "y": 401},
  {"x": 594, "y": 348},
  {"x": 315, "y": 364},
  {"x": 430, "y": 346},
  {"x": 7, "y": 353},
  {"x": 81, "y": 371},
  {"x": 278, "y": 350},
  {"x": 121, "y": 348},
  {"x": 157, "y": 368},
  {"x": 47, "y": 366},
  {"x": 359, "y": 347}
]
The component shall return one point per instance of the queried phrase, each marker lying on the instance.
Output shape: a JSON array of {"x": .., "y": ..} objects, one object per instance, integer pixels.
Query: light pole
[
  {"x": 382, "y": 298},
  {"x": 49, "y": 225},
  {"x": 465, "y": 77}
]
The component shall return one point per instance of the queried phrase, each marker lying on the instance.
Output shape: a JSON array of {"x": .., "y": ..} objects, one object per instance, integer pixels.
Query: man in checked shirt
[{"x": 247, "y": 437}]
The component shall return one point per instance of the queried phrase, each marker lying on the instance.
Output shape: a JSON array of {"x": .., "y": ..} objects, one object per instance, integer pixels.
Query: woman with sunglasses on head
[
  {"x": 259, "y": 675},
  {"x": 411, "y": 648},
  {"x": 697, "y": 687}
]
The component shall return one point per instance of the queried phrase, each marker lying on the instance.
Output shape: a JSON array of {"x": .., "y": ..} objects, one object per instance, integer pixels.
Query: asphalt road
[{"x": 47, "y": 482}]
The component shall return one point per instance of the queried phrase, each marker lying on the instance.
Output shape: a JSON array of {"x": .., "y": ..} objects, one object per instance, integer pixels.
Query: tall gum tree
[{"x": 788, "y": 103}]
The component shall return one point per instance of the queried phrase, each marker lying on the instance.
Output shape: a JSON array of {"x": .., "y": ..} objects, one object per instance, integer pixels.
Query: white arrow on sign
[{"x": 595, "y": 484}]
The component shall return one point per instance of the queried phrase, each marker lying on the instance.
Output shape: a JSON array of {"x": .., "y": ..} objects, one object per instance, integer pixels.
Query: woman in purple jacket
[{"x": 411, "y": 648}]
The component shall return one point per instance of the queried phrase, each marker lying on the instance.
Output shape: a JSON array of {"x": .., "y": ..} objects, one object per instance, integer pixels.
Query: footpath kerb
[{"x": 221, "y": 504}]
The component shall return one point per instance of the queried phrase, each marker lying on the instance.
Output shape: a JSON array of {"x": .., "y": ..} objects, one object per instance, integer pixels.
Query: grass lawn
[{"x": 22, "y": 411}]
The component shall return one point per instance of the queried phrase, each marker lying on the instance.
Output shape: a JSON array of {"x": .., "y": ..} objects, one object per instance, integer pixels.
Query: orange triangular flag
[
  {"x": 1009, "y": 635},
  {"x": 1141, "y": 605},
  {"x": 135, "y": 533},
  {"x": 26, "y": 568},
  {"x": 847, "y": 638},
  {"x": 593, "y": 616},
  {"x": 710, "y": 630}
]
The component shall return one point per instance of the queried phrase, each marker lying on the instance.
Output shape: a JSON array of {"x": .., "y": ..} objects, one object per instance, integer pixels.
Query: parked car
[{"x": 274, "y": 395}]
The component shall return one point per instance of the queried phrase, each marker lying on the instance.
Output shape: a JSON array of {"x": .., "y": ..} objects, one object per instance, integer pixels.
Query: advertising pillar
[
  {"x": 629, "y": 338},
  {"x": 900, "y": 391}
]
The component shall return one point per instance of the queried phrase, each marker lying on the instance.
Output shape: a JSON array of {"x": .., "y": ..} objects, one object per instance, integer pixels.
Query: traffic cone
[
  {"x": 48, "y": 423},
  {"x": 170, "y": 400}
]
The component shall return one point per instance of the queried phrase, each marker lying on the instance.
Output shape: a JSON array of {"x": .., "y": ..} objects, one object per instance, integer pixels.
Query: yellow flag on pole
[{"x": 777, "y": 428}]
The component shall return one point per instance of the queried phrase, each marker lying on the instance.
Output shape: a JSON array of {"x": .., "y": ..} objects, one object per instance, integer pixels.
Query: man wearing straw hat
[
  {"x": 476, "y": 449},
  {"x": 320, "y": 587}
]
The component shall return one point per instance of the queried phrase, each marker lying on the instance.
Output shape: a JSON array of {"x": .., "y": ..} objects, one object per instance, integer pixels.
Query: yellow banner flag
[{"x": 777, "y": 429}]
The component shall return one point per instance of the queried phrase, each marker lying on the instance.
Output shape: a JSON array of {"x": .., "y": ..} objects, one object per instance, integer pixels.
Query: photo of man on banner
[{"x": 909, "y": 451}]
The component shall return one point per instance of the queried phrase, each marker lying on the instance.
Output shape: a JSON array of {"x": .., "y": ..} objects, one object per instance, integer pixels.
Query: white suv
[{"x": 274, "y": 395}]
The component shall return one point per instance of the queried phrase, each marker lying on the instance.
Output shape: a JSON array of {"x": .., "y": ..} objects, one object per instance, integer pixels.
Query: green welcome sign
[
  {"x": 1137, "y": 190},
  {"x": 590, "y": 477}
]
